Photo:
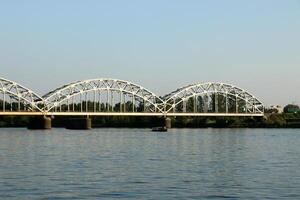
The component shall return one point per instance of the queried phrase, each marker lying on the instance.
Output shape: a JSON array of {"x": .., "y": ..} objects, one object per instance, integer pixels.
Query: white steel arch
[
  {"x": 15, "y": 97},
  {"x": 125, "y": 90},
  {"x": 106, "y": 96},
  {"x": 229, "y": 92}
]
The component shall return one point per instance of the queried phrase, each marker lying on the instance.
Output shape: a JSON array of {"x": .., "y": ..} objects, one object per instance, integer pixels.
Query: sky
[{"x": 159, "y": 44}]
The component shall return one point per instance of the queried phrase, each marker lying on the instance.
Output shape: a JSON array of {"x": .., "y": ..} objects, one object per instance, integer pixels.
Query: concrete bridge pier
[
  {"x": 168, "y": 122},
  {"x": 79, "y": 123},
  {"x": 41, "y": 123}
]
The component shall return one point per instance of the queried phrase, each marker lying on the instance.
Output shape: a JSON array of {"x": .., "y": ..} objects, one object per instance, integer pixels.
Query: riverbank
[{"x": 284, "y": 120}]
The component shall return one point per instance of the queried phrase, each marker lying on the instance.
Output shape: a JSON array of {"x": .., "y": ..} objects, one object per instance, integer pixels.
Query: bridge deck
[{"x": 130, "y": 114}]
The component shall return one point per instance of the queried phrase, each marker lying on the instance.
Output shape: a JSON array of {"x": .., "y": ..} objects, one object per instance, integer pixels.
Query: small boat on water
[{"x": 160, "y": 129}]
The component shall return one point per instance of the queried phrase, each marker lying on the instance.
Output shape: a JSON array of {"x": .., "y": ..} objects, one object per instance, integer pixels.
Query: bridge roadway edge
[{"x": 131, "y": 114}]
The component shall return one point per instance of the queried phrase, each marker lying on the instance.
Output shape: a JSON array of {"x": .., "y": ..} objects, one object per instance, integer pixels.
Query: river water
[{"x": 140, "y": 164}]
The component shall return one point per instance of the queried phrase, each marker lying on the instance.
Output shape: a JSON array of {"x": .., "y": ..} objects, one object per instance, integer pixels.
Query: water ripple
[{"x": 139, "y": 164}]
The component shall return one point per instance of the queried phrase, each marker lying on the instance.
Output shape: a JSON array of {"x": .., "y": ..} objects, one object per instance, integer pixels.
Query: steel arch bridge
[
  {"x": 113, "y": 97},
  {"x": 212, "y": 98},
  {"x": 102, "y": 96},
  {"x": 17, "y": 98}
]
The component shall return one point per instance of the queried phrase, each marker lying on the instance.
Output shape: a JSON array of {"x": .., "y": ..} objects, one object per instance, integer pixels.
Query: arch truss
[
  {"x": 102, "y": 95},
  {"x": 16, "y": 98},
  {"x": 212, "y": 97}
]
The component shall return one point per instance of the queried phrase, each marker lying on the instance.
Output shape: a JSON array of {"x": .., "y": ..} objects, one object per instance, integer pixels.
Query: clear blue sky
[{"x": 159, "y": 44}]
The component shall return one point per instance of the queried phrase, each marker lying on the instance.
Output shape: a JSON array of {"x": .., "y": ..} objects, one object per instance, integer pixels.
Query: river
[{"x": 140, "y": 164}]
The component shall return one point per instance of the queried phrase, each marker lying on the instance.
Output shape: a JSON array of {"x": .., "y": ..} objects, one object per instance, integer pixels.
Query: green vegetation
[
  {"x": 284, "y": 120},
  {"x": 12, "y": 121},
  {"x": 291, "y": 108},
  {"x": 290, "y": 118}
]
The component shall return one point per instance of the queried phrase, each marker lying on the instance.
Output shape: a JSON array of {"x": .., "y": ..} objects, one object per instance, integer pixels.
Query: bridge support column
[
  {"x": 79, "y": 123},
  {"x": 168, "y": 122},
  {"x": 40, "y": 123}
]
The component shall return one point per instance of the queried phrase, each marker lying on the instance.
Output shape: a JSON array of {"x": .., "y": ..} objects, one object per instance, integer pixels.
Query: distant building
[{"x": 278, "y": 108}]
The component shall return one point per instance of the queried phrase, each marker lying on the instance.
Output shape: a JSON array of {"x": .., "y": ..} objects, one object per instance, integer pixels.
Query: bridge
[{"x": 113, "y": 97}]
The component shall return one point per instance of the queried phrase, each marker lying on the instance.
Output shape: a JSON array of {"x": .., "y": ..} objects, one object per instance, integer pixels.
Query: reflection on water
[{"x": 140, "y": 164}]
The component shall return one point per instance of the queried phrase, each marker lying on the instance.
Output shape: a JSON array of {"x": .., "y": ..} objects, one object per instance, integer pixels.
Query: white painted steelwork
[
  {"x": 130, "y": 114},
  {"x": 103, "y": 94},
  {"x": 15, "y": 97},
  {"x": 228, "y": 95},
  {"x": 113, "y": 97}
]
